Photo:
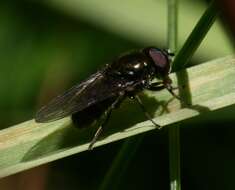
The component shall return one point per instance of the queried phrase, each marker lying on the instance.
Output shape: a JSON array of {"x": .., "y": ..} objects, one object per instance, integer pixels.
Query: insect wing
[{"x": 96, "y": 88}]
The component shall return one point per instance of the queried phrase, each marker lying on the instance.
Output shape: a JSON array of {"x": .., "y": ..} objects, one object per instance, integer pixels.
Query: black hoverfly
[{"x": 104, "y": 91}]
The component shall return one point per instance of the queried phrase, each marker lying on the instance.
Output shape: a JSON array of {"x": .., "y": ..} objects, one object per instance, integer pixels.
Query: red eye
[
  {"x": 160, "y": 60},
  {"x": 158, "y": 57}
]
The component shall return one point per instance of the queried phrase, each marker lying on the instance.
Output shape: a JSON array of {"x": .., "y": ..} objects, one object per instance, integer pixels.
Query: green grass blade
[
  {"x": 196, "y": 37},
  {"x": 30, "y": 144}
]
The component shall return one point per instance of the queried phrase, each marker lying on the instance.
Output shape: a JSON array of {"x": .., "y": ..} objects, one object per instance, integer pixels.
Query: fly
[{"x": 106, "y": 89}]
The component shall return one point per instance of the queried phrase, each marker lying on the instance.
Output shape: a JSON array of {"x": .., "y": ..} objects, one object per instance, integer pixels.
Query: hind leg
[{"x": 104, "y": 122}]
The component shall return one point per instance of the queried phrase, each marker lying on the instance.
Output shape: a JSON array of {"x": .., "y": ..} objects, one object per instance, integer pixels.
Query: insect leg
[
  {"x": 107, "y": 113},
  {"x": 167, "y": 84},
  {"x": 156, "y": 86},
  {"x": 147, "y": 115},
  {"x": 170, "y": 89},
  {"x": 100, "y": 129}
]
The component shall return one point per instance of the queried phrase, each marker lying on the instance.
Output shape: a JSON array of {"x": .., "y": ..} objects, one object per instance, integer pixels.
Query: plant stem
[
  {"x": 174, "y": 132},
  {"x": 180, "y": 62},
  {"x": 172, "y": 24}
]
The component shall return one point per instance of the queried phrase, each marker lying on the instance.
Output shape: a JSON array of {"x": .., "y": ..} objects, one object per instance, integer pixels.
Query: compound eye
[{"x": 160, "y": 60}]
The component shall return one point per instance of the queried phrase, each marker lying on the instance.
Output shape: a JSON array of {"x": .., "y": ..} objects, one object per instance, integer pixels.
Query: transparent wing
[{"x": 96, "y": 88}]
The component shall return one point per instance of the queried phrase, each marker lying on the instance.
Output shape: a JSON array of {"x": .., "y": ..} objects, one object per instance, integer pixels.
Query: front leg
[
  {"x": 167, "y": 84},
  {"x": 156, "y": 86}
]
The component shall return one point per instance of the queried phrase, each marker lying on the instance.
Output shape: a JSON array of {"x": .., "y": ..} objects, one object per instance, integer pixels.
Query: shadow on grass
[
  {"x": 70, "y": 136},
  {"x": 123, "y": 118}
]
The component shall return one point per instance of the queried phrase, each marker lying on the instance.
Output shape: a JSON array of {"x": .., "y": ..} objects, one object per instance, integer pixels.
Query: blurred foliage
[
  {"x": 145, "y": 22},
  {"x": 45, "y": 47},
  {"x": 47, "y": 52}
]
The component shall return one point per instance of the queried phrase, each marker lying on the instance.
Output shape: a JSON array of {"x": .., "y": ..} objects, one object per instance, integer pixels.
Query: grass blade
[
  {"x": 196, "y": 37},
  {"x": 30, "y": 144}
]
